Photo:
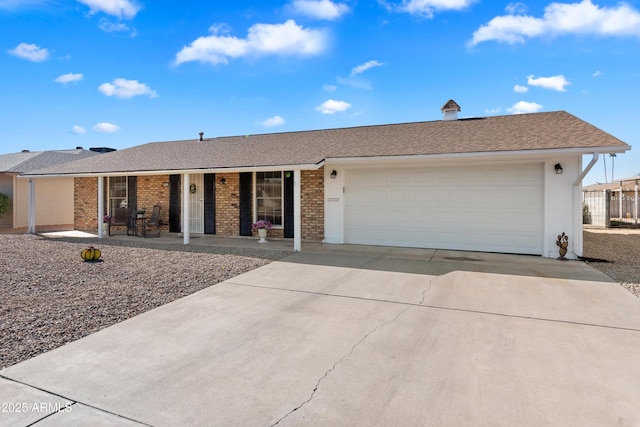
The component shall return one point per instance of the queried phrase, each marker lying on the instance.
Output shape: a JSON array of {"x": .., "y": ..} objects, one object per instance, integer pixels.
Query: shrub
[{"x": 5, "y": 203}]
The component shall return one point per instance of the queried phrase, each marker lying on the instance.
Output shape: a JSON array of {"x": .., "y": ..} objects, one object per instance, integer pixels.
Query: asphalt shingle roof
[
  {"x": 627, "y": 184},
  {"x": 28, "y": 161},
  {"x": 538, "y": 131}
]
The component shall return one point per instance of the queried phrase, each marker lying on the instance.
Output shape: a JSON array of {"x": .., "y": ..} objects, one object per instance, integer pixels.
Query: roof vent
[
  {"x": 79, "y": 148},
  {"x": 102, "y": 150},
  {"x": 201, "y": 136},
  {"x": 25, "y": 151},
  {"x": 450, "y": 110}
]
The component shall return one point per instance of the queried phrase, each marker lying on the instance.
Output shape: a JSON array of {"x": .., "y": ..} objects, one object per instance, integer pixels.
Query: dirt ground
[{"x": 619, "y": 250}]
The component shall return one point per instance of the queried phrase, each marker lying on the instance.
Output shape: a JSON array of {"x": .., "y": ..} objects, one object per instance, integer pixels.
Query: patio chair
[
  {"x": 120, "y": 218},
  {"x": 153, "y": 223}
]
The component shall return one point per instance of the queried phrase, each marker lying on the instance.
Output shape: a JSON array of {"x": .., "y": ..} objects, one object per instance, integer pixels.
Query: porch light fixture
[
  {"x": 334, "y": 173},
  {"x": 223, "y": 181},
  {"x": 192, "y": 188},
  {"x": 558, "y": 168}
]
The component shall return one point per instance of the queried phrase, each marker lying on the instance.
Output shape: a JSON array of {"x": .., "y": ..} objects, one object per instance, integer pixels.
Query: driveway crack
[
  {"x": 342, "y": 359},
  {"x": 424, "y": 293}
]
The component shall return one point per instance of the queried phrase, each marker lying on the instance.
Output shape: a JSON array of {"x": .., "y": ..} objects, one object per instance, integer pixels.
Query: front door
[{"x": 196, "y": 203}]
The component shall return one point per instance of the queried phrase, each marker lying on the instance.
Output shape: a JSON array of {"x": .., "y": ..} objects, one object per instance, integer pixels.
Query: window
[
  {"x": 269, "y": 197},
  {"x": 117, "y": 193}
]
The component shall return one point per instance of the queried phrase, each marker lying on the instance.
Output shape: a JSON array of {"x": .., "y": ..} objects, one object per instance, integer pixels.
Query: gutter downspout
[
  {"x": 578, "y": 248},
  {"x": 586, "y": 170}
]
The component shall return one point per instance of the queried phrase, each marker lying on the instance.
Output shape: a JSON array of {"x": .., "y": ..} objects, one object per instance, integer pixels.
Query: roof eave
[
  {"x": 494, "y": 155},
  {"x": 307, "y": 166}
]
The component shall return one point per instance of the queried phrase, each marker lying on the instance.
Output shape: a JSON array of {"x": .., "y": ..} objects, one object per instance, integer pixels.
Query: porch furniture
[
  {"x": 137, "y": 225},
  {"x": 153, "y": 223},
  {"x": 119, "y": 218}
]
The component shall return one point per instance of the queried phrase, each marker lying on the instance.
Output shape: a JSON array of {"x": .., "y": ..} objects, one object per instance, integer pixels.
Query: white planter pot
[{"x": 262, "y": 233}]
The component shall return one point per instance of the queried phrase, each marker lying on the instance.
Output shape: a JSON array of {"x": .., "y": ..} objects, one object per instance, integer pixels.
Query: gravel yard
[
  {"x": 621, "y": 248},
  {"x": 51, "y": 297}
]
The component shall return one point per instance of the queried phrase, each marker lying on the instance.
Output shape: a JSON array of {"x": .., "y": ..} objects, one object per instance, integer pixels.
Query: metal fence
[{"x": 608, "y": 208}]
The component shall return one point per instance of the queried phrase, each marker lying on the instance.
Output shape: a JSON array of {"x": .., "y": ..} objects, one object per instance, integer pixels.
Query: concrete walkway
[{"x": 339, "y": 336}]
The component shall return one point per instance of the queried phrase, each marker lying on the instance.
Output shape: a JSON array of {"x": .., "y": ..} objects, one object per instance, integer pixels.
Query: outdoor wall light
[
  {"x": 334, "y": 173},
  {"x": 223, "y": 181},
  {"x": 192, "y": 188},
  {"x": 558, "y": 168}
]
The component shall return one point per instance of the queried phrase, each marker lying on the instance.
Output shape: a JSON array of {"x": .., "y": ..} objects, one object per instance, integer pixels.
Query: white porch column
[
  {"x": 186, "y": 178},
  {"x": 297, "y": 214},
  {"x": 101, "y": 211},
  {"x": 620, "y": 203},
  {"x": 31, "y": 207},
  {"x": 636, "y": 203}
]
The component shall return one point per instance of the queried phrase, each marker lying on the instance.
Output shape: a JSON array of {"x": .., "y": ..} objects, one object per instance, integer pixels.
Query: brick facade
[
  {"x": 85, "y": 200},
  {"x": 151, "y": 191},
  {"x": 228, "y": 204},
  {"x": 312, "y": 200}
]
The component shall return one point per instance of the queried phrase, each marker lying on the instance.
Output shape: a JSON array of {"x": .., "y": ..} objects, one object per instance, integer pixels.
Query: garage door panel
[{"x": 469, "y": 208}]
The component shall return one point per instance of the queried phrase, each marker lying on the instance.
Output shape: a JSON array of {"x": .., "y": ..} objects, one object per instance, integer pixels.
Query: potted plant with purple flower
[
  {"x": 262, "y": 227},
  {"x": 106, "y": 219}
]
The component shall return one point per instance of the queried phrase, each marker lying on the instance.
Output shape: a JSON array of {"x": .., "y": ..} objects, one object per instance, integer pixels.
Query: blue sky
[{"x": 119, "y": 73}]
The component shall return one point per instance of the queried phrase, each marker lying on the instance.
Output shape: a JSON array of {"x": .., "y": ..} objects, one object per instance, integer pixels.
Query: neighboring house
[
  {"x": 498, "y": 184},
  {"x": 53, "y": 197},
  {"x": 616, "y": 201}
]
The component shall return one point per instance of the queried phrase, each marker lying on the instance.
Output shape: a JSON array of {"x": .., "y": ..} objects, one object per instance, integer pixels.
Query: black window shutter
[
  {"x": 289, "y": 225},
  {"x": 246, "y": 203},
  {"x": 210, "y": 203},
  {"x": 175, "y": 225},
  {"x": 132, "y": 192}
]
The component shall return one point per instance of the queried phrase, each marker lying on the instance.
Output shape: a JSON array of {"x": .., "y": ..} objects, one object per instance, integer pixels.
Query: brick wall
[
  {"x": 228, "y": 204},
  {"x": 150, "y": 192},
  {"x": 312, "y": 201},
  {"x": 85, "y": 201}
]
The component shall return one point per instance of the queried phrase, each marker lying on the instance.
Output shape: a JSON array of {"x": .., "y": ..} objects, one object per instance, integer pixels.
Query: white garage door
[{"x": 489, "y": 208}]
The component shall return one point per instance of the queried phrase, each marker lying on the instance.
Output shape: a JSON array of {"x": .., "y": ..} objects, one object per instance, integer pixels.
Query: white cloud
[
  {"x": 320, "y": 9},
  {"x": 272, "y": 122},
  {"x": 69, "y": 78},
  {"x": 558, "y": 83},
  {"x": 119, "y": 8},
  {"x": 331, "y": 106},
  {"x": 329, "y": 88},
  {"x": 427, "y": 8},
  {"x": 598, "y": 73},
  {"x": 516, "y": 8},
  {"x": 492, "y": 111},
  {"x": 30, "y": 52},
  {"x": 520, "y": 89},
  {"x": 262, "y": 39},
  {"x": 106, "y": 127},
  {"x": 123, "y": 88},
  {"x": 78, "y": 130},
  {"x": 523, "y": 107},
  {"x": 560, "y": 19},
  {"x": 112, "y": 27},
  {"x": 364, "y": 67}
]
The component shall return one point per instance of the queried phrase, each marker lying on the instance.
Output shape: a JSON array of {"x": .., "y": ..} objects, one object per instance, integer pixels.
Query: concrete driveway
[{"x": 371, "y": 336}]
